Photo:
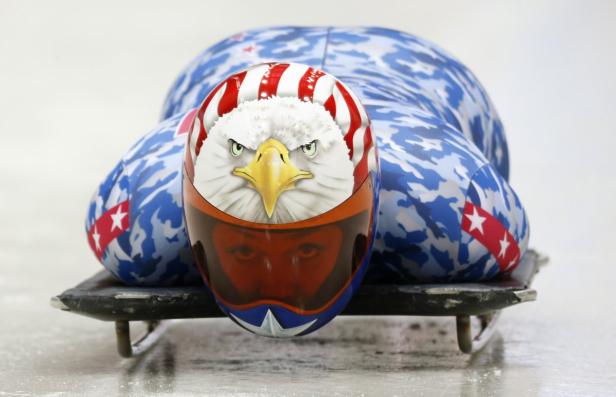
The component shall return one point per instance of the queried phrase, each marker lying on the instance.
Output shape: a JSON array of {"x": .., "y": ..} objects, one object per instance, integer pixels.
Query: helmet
[{"x": 280, "y": 194}]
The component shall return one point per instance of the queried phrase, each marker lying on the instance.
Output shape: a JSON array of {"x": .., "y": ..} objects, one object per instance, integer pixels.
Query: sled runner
[{"x": 104, "y": 298}]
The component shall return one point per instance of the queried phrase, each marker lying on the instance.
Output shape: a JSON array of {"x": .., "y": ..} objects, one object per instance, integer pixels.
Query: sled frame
[{"x": 104, "y": 298}]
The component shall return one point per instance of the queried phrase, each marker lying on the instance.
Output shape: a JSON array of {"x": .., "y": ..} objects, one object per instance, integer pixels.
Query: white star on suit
[
  {"x": 504, "y": 244},
  {"x": 476, "y": 221},
  {"x": 271, "y": 327},
  {"x": 97, "y": 239},
  {"x": 117, "y": 218}
]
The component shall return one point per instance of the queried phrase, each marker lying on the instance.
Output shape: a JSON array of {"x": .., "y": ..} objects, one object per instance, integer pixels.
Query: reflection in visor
[{"x": 301, "y": 265}]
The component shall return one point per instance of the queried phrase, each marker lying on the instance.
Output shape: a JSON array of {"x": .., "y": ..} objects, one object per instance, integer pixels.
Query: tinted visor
[{"x": 302, "y": 266}]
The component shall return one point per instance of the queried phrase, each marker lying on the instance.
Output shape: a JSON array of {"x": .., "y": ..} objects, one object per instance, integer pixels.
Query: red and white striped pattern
[
  {"x": 492, "y": 234},
  {"x": 289, "y": 80},
  {"x": 108, "y": 227}
]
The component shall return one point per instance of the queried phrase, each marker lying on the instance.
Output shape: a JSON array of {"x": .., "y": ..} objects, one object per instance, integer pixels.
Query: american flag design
[
  {"x": 108, "y": 227},
  {"x": 446, "y": 209},
  {"x": 282, "y": 79},
  {"x": 135, "y": 224}
]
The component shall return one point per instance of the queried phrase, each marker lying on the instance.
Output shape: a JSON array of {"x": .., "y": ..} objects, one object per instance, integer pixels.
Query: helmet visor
[{"x": 302, "y": 266}]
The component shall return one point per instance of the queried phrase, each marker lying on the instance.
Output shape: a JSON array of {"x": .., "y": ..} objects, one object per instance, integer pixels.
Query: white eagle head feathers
[{"x": 275, "y": 160}]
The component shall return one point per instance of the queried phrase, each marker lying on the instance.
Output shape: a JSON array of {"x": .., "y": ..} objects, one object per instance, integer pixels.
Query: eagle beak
[{"x": 271, "y": 172}]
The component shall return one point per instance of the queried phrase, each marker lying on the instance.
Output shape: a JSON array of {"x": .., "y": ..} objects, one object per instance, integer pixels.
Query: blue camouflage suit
[{"x": 440, "y": 142}]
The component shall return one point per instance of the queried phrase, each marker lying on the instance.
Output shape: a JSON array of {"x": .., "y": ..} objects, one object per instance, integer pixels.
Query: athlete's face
[{"x": 282, "y": 266}]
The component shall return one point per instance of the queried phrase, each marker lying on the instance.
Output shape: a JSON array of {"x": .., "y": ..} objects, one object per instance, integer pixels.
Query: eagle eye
[
  {"x": 236, "y": 148},
  {"x": 310, "y": 149}
]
